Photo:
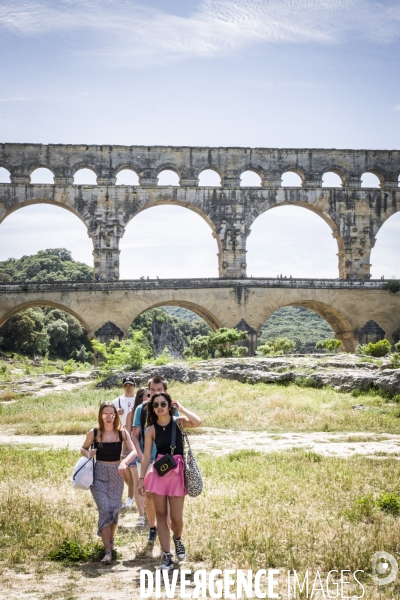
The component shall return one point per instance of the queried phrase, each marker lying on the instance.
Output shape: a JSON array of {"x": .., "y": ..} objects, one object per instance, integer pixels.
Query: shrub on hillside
[
  {"x": 276, "y": 346},
  {"x": 331, "y": 345},
  {"x": 128, "y": 354},
  {"x": 381, "y": 348}
]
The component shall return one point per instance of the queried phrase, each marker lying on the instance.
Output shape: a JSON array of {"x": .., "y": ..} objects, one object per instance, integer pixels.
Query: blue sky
[{"x": 281, "y": 73}]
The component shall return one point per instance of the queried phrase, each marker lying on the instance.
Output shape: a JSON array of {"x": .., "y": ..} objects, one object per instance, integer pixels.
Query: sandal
[
  {"x": 140, "y": 522},
  {"x": 107, "y": 558}
]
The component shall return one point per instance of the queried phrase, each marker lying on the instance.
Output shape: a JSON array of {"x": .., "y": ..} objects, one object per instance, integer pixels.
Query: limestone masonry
[{"x": 354, "y": 215}]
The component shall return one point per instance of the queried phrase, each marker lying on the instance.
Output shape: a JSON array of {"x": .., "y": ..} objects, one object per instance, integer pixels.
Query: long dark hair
[
  {"x": 139, "y": 398},
  {"x": 151, "y": 415}
]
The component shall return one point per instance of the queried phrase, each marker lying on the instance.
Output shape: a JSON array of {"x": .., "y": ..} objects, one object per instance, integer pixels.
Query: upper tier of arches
[
  {"x": 353, "y": 167},
  {"x": 207, "y": 177}
]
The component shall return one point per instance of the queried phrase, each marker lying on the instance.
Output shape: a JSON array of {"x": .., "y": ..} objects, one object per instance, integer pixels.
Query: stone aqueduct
[{"x": 354, "y": 214}]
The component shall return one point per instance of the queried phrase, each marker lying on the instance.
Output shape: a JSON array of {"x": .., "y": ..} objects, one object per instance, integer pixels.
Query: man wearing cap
[{"x": 124, "y": 404}]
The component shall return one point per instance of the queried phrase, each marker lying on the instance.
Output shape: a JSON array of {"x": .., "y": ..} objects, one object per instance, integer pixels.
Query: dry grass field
[{"x": 222, "y": 404}]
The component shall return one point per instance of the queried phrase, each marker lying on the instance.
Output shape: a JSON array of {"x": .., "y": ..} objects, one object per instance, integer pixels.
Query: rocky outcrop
[{"x": 344, "y": 374}]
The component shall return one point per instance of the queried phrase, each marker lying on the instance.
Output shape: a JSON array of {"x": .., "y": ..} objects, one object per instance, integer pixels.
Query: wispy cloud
[
  {"x": 127, "y": 32},
  {"x": 33, "y": 98},
  {"x": 397, "y": 107}
]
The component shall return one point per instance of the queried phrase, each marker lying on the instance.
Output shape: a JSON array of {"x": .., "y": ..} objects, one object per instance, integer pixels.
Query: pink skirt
[{"x": 171, "y": 484}]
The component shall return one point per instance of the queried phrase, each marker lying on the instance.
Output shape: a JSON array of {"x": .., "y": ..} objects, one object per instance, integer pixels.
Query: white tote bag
[{"x": 83, "y": 474}]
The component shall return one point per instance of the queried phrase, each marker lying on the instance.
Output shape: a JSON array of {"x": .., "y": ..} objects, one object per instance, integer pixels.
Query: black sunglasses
[{"x": 162, "y": 404}]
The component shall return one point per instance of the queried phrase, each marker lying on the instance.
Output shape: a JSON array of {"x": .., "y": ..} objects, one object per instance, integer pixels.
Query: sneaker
[
  {"x": 179, "y": 548},
  {"x": 152, "y": 535},
  {"x": 140, "y": 523},
  {"x": 129, "y": 503},
  {"x": 166, "y": 562}
]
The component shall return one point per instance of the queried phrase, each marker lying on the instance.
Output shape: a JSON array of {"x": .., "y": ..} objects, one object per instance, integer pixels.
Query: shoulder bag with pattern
[{"x": 193, "y": 479}]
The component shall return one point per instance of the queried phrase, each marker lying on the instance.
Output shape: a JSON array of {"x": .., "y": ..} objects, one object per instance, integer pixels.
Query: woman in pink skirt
[{"x": 170, "y": 488}]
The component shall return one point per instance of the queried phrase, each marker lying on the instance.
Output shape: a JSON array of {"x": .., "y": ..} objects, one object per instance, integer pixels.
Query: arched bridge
[
  {"x": 354, "y": 213},
  {"x": 357, "y": 311}
]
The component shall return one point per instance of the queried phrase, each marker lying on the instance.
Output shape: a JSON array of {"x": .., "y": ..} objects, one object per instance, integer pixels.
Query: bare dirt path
[{"x": 223, "y": 441}]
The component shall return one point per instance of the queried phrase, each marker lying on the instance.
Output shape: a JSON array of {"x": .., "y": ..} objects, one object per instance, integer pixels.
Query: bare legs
[
  {"x": 150, "y": 509},
  {"x": 129, "y": 482},
  {"x": 176, "y": 511},
  {"x": 107, "y": 534},
  {"x": 139, "y": 500}
]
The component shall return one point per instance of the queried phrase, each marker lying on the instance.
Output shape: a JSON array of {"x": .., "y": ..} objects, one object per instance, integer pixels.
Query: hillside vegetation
[{"x": 301, "y": 325}]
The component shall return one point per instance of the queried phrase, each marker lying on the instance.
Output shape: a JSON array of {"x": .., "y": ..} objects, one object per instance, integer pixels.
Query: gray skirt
[{"x": 107, "y": 493}]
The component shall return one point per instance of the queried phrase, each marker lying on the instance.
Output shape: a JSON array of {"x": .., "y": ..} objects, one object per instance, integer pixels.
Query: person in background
[
  {"x": 124, "y": 404},
  {"x": 155, "y": 384},
  {"x": 142, "y": 396}
]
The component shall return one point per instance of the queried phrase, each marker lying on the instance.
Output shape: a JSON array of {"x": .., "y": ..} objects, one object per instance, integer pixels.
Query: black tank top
[
  {"x": 163, "y": 439},
  {"x": 108, "y": 451}
]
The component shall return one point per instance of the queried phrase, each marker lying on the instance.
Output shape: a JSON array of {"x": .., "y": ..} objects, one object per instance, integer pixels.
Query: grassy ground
[
  {"x": 292, "y": 510},
  {"x": 22, "y": 366},
  {"x": 222, "y": 404}
]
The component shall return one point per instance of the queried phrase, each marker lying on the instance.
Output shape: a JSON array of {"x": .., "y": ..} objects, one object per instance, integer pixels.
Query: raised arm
[{"x": 190, "y": 419}]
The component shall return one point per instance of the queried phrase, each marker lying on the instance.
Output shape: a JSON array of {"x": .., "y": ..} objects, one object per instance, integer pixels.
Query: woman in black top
[
  {"x": 169, "y": 489},
  {"x": 108, "y": 485}
]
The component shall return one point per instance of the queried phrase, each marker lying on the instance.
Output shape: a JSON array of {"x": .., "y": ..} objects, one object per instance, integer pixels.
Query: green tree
[
  {"x": 276, "y": 346},
  {"x": 331, "y": 345},
  {"x": 128, "y": 354},
  {"x": 54, "y": 264},
  {"x": 66, "y": 334},
  {"x": 218, "y": 344},
  {"x": 26, "y": 333}
]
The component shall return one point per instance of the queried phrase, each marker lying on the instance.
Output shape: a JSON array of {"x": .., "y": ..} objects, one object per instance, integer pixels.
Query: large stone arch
[
  {"x": 319, "y": 208},
  {"x": 169, "y": 198},
  {"x": 341, "y": 325},
  {"x": 198, "y": 309},
  {"x": 379, "y": 245},
  {"x": 38, "y": 200},
  {"x": 39, "y": 303}
]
